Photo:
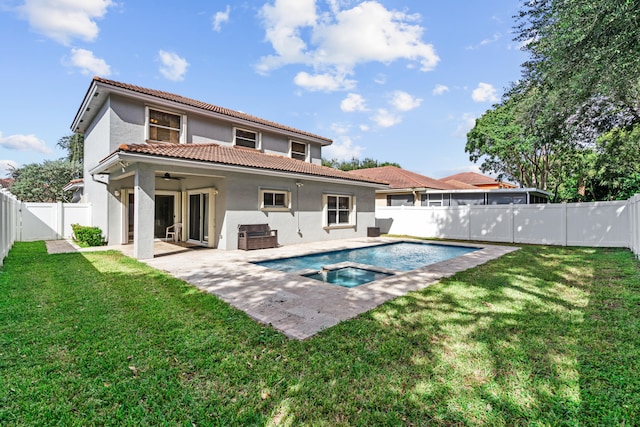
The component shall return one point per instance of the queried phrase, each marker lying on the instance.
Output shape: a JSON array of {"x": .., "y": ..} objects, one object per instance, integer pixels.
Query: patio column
[{"x": 144, "y": 210}]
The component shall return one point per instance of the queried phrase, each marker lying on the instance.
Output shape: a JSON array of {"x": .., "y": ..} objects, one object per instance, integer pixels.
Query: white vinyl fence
[
  {"x": 28, "y": 222},
  {"x": 9, "y": 219},
  {"x": 604, "y": 224}
]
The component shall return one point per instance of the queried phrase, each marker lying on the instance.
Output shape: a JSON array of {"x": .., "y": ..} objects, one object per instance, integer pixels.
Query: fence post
[
  {"x": 564, "y": 214},
  {"x": 60, "y": 221}
]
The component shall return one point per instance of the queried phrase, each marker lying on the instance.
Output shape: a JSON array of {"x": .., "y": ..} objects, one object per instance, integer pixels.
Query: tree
[
  {"x": 521, "y": 140},
  {"x": 74, "y": 145},
  {"x": 354, "y": 163},
  {"x": 617, "y": 170},
  {"x": 37, "y": 182},
  {"x": 584, "y": 48}
]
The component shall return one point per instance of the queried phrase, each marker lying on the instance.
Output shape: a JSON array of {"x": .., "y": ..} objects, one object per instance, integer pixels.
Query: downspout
[{"x": 298, "y": 186}]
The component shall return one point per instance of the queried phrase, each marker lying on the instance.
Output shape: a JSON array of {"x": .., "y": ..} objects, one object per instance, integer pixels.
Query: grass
[{"x": 542, "y": 336}]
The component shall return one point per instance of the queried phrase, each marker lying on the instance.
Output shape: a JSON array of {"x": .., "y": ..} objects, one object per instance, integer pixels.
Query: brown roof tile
[
  {"x": 205, "y": 107},
  {"x": 239, "y": 156},
  {"x": 401, "y": 178},
  {"x": 459, "y": 185},
  {"x": 471, "y": 178}
]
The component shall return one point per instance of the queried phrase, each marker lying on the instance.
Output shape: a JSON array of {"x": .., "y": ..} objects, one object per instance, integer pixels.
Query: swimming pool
[{"x": 403, "y": 256}]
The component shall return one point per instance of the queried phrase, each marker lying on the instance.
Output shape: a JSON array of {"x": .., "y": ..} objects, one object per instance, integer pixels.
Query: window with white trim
[
  {"x": 299, "y": 150},
  {"x": 246, "y": 138},
  {"x": 164, "y": 126},
  {"x": 339, "y": 210},
  {"x": 274, "y": 200}
]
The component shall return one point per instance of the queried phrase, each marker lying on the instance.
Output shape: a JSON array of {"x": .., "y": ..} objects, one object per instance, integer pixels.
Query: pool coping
[{"x": 299, "y": 306}]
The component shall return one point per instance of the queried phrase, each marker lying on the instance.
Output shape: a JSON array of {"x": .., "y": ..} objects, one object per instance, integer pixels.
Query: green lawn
[{"x": 542, "y": 336}]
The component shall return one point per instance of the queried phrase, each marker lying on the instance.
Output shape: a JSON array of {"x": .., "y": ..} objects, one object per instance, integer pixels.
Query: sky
[{"x": 393, "y": 80}]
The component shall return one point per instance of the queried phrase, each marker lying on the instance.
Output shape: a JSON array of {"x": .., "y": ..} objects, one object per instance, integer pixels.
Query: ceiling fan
[{"x": 167, "y": 177}]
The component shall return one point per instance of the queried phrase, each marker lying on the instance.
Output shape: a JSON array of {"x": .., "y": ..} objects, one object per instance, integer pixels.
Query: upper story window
[
  {"x": 299, "y": 151},
  {"x": 164, "y": 126},
  {"x": 246, "y": 138}
]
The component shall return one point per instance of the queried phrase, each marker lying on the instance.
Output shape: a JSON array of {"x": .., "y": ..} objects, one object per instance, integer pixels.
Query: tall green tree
[
  {"x": 584, "y": 48},
  {"x": 354, "y": 163},
  {"x": 42, "y": 182},
  {"x": 617, "y": 168}
]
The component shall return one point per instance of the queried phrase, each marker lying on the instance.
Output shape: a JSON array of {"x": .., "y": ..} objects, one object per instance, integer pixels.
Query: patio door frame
[
  {"x": 209, "y": 210},
  {"x": 125, "y": 199}
]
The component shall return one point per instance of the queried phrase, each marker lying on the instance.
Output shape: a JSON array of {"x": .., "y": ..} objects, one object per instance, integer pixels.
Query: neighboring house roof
[
  {"x": 6, "y": 182},
  {"x": 94, "y": 96},
  {"x": 232, "y": 156},
  {"x": 74, "y": 184},
  {"x": 460, "y": 185},
  {"x": 401, "y": 179},
  {"x": 475, "y": 179}
]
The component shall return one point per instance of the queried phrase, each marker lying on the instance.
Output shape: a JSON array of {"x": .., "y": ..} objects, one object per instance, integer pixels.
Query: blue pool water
[
  {"x": 404, "y": 256},
  {"x": 349, "y": 277}
]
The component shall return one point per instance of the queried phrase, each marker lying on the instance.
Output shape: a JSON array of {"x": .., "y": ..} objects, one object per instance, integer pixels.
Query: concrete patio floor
[{"x": 297, "y": 306}]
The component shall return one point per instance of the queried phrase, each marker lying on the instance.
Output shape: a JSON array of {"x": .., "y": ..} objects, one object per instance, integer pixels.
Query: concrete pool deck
[{"x": 298, "y": 306}]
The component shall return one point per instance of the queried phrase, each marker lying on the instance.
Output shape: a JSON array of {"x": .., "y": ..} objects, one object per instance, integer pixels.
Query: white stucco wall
[{"x": 306, "y": 213}]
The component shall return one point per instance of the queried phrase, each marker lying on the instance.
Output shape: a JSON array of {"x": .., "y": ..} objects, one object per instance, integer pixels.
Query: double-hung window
[
  {"x": 164, "y": 126},
  {"x": 246, "y": 138},
  {"x": 299, "y": 150},
  {"x": 274, "y": 200},
  {"x": 339, "y": 211}
]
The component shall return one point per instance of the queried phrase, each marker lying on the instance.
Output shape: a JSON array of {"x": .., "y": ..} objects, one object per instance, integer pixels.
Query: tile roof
[
  {"x": 471, "y": 178},
  {"x": 205, "y": 107},
  {"x": 239, "y": 156},
  {"x": 401, "y": 178},
  {"x": 459, "y": 185}
]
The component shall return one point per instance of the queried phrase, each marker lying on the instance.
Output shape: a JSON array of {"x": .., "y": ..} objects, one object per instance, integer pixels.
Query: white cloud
[
  {"x": 484, "y": 42},
  {"x": 485, "y": 93},
  {"x": 380, "y": 79},
  {"x": 65, "y": 20},
  {"x": 384, "y": 119},
  {"x": 466, "y": 122},
  {"x": 340, "y": 128},
  {"x": 24, "y": 143},
  {"x": 221, "y": 18},
  {"x": 339, "y": 39},
  {"x": 342, "y": 149},
  {"x": 353, "y": 102},
  {"x": 402, "y": 101},
  {"x": 323, "y": 82},
  {"x": 88, "y": 63},
  {"x": 6, "y": 166},
  {"x": 173, "y": 66},
  {"x": 440, "y": 89}
]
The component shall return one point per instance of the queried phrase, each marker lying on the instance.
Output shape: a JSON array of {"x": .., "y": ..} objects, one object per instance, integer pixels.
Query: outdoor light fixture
[{"x": 166, "y": 176}]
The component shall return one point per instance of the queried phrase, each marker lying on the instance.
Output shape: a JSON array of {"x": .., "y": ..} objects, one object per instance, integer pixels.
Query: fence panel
[
  {"x": 598, "y": 224},
  {"x": 540, "y": 224},
  {"x": 491, "y": 223},
  {"x": 606, "y": 224},
  {"x": 51, "y": 221}
]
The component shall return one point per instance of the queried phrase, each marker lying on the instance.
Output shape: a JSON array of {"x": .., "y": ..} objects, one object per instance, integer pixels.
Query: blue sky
[{"x": 394, "y": 80}]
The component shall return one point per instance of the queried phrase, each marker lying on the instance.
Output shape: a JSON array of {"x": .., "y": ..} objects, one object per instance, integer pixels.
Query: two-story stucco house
[{"x": 153, "y": 159}]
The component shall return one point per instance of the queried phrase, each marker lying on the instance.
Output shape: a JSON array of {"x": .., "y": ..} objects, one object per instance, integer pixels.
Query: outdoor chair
[{"x": 174, "y": 232}]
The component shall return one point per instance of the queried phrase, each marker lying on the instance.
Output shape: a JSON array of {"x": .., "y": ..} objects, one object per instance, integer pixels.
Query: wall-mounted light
[
  {"x": 299, "y": 184},
  {"x": 116, "y": 193}
]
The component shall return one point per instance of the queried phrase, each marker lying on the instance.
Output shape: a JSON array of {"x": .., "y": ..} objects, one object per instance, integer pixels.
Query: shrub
[{"x": 92, "y": 236}]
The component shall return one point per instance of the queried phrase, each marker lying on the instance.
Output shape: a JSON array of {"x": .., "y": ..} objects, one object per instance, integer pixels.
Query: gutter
[{"x": 113, "y": 160}]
